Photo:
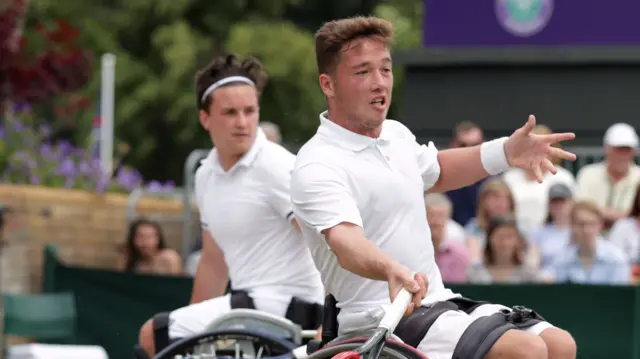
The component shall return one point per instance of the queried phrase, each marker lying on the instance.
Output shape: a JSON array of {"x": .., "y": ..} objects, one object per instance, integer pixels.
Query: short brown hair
[
  {"x": 333, "y": 35},
  {"x": 225, "y": 66},
  {"x": 464, "y": 126},
  {"x": 491, "y": 185}
]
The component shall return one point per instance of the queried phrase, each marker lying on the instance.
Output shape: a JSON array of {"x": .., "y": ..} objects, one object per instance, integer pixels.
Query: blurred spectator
[
  {"x": 610, "y": 184},
  {"x": 466, "y": 134},
  {"x": 589, "y": 259},
  {"x": 531, "y": 197},
  {"x": 625, "y": 233},
  {"x": 504, "y": 256},
  {"x": 452, "y": 256},
  {"x": 495, "y": 200},
  {"x": 272, "y": 131},
  {"x": 554, "y": 235},
  {"x": 147, "y": 252}
]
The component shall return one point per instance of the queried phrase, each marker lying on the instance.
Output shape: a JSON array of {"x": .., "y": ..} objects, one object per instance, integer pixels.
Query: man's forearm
[
  {"x": 360, "y": 256},
  {"x": 459, "y": 167}
]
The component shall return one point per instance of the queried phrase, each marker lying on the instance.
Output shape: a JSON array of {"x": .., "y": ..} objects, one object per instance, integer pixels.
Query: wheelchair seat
[
  {"x": 259, "y": 321},
  {"x": 359, "y": 334}
]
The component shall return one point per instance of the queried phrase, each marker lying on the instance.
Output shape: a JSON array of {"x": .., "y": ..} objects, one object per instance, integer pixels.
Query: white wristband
[{"x": 493, "y": 157}]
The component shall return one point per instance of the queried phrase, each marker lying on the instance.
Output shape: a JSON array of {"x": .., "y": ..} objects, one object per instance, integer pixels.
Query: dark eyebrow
[{"x": 386, "y": 61}]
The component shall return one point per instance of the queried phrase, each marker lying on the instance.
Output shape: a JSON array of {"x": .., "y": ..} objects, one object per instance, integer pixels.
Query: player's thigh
[
  {"x": 444, "y": 334},
  {"x": 489, "y": 309},
  {"x": 195, "y": 318}
]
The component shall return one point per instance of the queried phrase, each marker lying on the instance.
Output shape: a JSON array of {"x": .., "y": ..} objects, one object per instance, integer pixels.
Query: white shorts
[
  {"x": 444, "y": 334},
  {"x": 195, "y": 318}
]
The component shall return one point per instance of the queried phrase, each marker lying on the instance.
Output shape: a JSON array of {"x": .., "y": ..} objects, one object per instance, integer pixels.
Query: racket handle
[{"x": 396, "y": 311}]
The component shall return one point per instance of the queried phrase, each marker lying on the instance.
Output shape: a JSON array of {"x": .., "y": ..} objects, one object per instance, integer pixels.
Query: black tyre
[{"x": 205, "y": 345}]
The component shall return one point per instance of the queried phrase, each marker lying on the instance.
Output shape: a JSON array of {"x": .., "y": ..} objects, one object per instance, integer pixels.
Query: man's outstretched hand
[
  {"x": 534, "y": 153},
  {"x": 416, "y": 283}
]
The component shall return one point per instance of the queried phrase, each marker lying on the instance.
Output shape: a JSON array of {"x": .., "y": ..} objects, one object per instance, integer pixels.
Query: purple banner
[{"x": 531, "y": 22}]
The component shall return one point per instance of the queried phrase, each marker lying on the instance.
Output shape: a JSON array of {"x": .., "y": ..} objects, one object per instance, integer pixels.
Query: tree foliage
[{"x": 159, "y": 44}]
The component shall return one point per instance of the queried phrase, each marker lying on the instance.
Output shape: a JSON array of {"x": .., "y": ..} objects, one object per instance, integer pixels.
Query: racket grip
[{"x": 396, "y": 311}]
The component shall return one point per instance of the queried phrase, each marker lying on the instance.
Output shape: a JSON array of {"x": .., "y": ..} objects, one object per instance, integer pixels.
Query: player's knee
[
  {"x": 517, "y": 344},
  {"x": 560, "y": 343},
  {"x": 145, "y": 337}
]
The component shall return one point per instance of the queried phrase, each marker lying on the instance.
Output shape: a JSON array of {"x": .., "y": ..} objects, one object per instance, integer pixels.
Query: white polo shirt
[
  {"x": 378, "y": 184},
  {"x": 247, "y": 210}
]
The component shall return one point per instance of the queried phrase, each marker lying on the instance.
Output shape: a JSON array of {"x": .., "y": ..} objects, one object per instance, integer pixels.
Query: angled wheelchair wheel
[
  {"x": 228, "y": 344},
  {"x": 392, "y": 350}
]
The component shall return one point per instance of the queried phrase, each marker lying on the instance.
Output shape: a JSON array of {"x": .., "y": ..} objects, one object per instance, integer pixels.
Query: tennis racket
[{"x": 372, "y": 348}]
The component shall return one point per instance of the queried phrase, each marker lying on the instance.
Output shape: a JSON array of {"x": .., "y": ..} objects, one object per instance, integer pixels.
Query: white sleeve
[
  {"x": 321, "y": 197},
  {"x": 279, "y": 187},
  {"x": 427, "y": 156},
  {"x": 201, "y": 178}
]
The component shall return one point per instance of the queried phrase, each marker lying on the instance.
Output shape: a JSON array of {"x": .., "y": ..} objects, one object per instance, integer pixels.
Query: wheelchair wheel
[
  {"x": 391, "y": 350},
  {"x": 228, "y": 344}
]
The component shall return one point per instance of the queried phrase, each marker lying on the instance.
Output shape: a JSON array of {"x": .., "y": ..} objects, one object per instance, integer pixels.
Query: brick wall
[{"x": 89, "y": 229}]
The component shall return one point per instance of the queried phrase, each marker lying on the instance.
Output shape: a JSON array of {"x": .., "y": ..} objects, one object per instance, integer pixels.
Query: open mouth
[{"x": 379, "y": 101}]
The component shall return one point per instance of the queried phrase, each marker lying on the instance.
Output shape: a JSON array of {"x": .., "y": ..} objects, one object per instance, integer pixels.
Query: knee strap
[
  {"x": 139, "y": 352},
  {"x": 523, "y": 317},
  {"x": 240, "y": 299},
  {"x": 412, "y": 329},
  {"x": 161, "y": 331},
  {"x": 480, "y": 336}
]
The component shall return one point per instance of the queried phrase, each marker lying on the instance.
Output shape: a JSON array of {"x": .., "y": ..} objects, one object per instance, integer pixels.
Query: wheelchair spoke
[{"x": 260, "y": 350}]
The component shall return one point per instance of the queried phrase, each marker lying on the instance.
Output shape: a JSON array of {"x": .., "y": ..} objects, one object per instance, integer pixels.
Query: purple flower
[
  {"x": 66, "y": 168},
  {"x": 169, "y": 186},
  {"x": 129, "y": 179},
  {"x": 85, "y": 168},
  {"x": 101, "y": 185},
  {"x": 34, "y": 179},
  {"x": 2, "y": 131},
  {"x": 17, "y": 125},
  {"x": 65, "y": 148},
  {"x": 154, "y": 187},
  {"x": 46, "y": 152}
]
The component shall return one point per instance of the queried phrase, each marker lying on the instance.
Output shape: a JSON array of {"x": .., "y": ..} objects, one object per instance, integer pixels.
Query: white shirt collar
[
  {"x": 346, "y": 138},
  {"x": 245, "y": 161}
]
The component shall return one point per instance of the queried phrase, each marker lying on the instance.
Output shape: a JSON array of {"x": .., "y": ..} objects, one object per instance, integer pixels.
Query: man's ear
[
  {"x": 327, "y": 85},
  {"x": 204, "y": 119}
]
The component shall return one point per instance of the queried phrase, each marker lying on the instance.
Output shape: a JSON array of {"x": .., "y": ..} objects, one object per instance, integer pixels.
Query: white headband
[{"x": 223, "y": 82}]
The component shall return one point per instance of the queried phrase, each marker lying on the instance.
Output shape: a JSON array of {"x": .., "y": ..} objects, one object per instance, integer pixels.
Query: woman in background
[
  {"x": 504, "y": 256},
  {"x": 556, "y": 232},
  {"x": 147, "y": 252}
]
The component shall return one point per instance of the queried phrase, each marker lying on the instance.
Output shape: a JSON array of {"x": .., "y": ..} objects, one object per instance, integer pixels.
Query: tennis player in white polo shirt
[
  {"x": 249, "y": 234},
  {"x": 357, "y": 192}
]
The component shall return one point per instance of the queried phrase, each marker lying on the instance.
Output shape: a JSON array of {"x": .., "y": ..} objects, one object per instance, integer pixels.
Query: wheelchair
[{"x": 252, "y": 334}]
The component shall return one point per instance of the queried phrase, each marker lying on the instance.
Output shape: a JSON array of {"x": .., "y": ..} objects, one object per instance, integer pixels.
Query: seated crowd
[
  {"x": 504, "y": 229},
  {"x": 512, "y": 229}
]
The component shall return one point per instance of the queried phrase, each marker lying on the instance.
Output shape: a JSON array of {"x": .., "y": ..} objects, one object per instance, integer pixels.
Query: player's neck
[
  {"x": 352, "y": 125},
  {"x": 228, "y": 161}
]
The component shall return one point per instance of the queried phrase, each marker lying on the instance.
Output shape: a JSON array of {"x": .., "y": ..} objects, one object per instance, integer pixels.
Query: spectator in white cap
[{"x": 611, "y": 184}]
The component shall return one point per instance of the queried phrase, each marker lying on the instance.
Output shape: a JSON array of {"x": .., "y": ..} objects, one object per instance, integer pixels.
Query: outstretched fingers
[
  {"x": 560, "y": 153},
  {"x": 559, "y": 137}
]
